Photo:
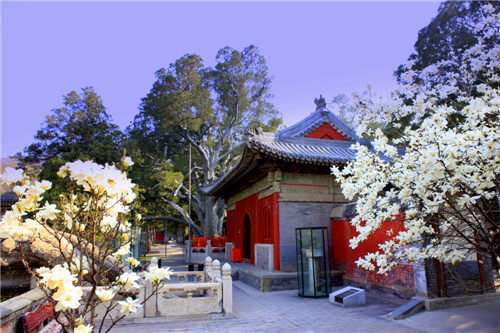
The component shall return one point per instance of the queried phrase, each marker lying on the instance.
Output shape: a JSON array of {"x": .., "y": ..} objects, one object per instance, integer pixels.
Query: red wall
[
  {"x": 326, "y": 131},
  {"x": 254, "y": 207},
  {"x": 400, "y": 279}
]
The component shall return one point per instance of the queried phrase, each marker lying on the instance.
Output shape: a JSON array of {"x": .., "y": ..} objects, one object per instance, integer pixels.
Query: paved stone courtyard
[{"x": 285, "y": 311}]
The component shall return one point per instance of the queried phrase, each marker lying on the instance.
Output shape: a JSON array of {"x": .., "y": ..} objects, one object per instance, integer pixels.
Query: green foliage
[
  {"x": 441, "y": 45},
  {"x": 208, "y": 107},
  {"x": 81, "y": 129},
  {"x": 448, "y": 32}
]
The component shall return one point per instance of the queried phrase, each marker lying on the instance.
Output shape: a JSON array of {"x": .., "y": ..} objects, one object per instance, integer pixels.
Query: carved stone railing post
[
  {"x": 208, "y": 269},
  {"x": 150, "y": 304},
  {"x": 216, "y": 278},
  {"x": 153, "y": 262},
  {"x": 208, "y": 249},
  {"x": 227, "y": 289},
  {"x": 215, "y": 270}
]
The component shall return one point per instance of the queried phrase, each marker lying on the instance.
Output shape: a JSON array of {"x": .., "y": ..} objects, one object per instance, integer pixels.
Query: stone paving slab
[{"x": 284, "y": 311}]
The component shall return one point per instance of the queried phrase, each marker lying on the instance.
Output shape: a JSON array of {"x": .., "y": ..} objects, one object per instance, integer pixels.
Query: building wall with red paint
[
  {"x": 264, "y": 224},
  {"x": 399, "y": 281},
  {"x": 326, "y": 131},
  {"x": 268, "y": 226}
]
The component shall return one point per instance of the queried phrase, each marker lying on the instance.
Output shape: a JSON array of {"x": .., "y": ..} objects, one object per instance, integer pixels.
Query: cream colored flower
[
  {"x": 127, "y": 280},
  {"x": 127, "y": 161},
  {"x": 11, "y": 175},
  {"x": 68, "y": 296},
  {"x": 48, "y": 212},
  {"x": 129, "y": 305},
  {"x": 83, "y": 329},
  {"x": 57, "y": 277},
  {"x": 156, "y": 275},
  {"x": 105, "y": 294},
  {"x": 134, "y": 262}
]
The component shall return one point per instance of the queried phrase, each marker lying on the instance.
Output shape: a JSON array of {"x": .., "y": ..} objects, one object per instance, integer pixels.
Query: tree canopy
[
  {"x": 81, "y": 129},
  {"x": 209, "y": 108},
  {"x": 444, "y": 70}
]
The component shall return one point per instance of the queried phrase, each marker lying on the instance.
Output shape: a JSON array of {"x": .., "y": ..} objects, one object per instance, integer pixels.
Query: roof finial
[{"x": 320, "y": 102}]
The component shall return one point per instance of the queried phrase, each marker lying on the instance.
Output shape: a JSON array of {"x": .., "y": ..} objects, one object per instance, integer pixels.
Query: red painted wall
[
  {"x": 326, "y": 131},
  {"x": 271, "y": 202},
  {"x": 254, "y": 207},
  {"x": 400, "y": 279}
]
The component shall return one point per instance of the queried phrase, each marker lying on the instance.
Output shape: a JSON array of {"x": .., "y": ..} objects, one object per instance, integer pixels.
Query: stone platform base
[
  {"x": 432, "y": 304},
  {"x": 272, "y": 280},
  {"x": 269, "y": 281},
  {"x": 263, "y": 280}
]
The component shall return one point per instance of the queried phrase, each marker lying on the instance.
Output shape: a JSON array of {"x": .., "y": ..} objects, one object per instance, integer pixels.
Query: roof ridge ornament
[{"x": 320, "y": 102}]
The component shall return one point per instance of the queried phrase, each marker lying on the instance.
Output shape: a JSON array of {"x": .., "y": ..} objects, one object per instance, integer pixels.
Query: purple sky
[{"x": 52, "y": 48}]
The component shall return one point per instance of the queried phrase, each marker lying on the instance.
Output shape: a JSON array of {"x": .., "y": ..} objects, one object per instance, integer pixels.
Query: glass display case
[{"x": 313, "y": 266}]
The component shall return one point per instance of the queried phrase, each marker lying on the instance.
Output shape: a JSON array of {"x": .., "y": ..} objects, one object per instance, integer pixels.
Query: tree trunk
[{"x": 213, "y": 216}]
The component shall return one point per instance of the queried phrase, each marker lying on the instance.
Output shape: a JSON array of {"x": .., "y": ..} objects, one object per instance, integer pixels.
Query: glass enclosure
[{"x": 313, "y": 262}]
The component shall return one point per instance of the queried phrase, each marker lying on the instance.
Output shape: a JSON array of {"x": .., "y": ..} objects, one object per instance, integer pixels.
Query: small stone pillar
[
  {"x": 208, "y": 269},
  {"x": 229, "y": 247},
  {"x": 208, "y": 248},
  {"x": 150, "y": 304},
  {"x": 215, "y": 270},
  {"x": 227, "y": 289},
  {"x": 154, "y": 262}
]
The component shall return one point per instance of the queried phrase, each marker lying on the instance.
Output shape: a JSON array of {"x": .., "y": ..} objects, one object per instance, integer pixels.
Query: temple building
[{"x": 283, "y": 181}]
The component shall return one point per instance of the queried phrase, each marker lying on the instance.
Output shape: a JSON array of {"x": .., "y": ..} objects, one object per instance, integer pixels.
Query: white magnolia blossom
[
  {"x": 133, "y": 262},
  {"x": 127, "y": 161},
  {"x": 156, "y": 275},
  {"x": 56, "y": 277},
  {"x": 129, "y": 305},
  {"x": 83, "y": 329},
  {"x": 105, "y": 294},
  {"x": 438, "y": 189},
  {"x": 96, "y": 178},
  {"x": 61, "y": 280},
  {"x": 121, "y": 252},
  {"x": 99, "y": 209},
  {"x": 128, "y": 280},
  {"x": 12, "y": 176},
  {"x": 67, "y": 297}
]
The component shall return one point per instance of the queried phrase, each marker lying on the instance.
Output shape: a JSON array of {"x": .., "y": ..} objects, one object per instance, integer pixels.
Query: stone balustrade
[
  {"x": 197, "y": 255},
  {"x": 211, "y": 293}
]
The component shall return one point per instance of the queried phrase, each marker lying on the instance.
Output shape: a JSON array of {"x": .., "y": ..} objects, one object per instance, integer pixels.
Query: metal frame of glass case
[{"x": 313, "y": 262}]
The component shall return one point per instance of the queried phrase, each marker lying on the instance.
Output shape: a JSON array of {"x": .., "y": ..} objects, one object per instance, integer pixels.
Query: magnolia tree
[
  {"x": 91, "y": 278},
  {"x": 447, "y": 184}
]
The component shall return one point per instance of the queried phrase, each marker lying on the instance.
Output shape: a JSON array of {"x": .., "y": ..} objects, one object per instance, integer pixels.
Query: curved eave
[
  {"x": 322, "y": 153},
  {"x": 336, "y": 153},
  {"x": 248, "y": 161}
]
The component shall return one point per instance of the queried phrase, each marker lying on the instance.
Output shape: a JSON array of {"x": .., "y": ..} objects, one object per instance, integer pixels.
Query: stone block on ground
[
  {"x": 408, "y": 309},
  {"x": 348, "y": 297}
]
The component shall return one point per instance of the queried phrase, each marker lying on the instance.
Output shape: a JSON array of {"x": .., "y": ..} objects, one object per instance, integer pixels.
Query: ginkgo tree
[
  {"x": 447, "y": 183},
  {"x": 89, "y": 279}
]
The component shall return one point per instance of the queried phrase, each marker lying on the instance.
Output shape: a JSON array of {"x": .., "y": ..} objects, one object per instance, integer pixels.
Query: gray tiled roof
[
  {"x": 8, "y": 198},
  {"x": 290, "y": 145},
  {"x": 308, "y": 151},
  {"x": 316, "y": 119}
]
